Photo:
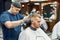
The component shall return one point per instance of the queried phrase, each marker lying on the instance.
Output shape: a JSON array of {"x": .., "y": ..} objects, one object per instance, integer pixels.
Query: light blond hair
[{"x": 33, "y": 16}]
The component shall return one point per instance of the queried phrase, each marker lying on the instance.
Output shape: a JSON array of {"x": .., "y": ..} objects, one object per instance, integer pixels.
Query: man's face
[
  {"x": 15, "y": 10},
  {"x": 36, "y": 22}
]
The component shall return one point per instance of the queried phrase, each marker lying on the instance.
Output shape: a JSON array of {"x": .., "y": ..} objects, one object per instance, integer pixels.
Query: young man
[
  {"x": 56, "y": 32},
  {"x": 34, "y": 32},
  {"x": 11, "y": 21}
]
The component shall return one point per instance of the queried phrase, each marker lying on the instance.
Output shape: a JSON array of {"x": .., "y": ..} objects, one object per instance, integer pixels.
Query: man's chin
[{"x": 37, "y": 27}]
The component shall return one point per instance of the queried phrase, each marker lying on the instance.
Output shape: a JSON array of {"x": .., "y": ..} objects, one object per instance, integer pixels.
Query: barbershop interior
[{"x": 49, "y": 10}]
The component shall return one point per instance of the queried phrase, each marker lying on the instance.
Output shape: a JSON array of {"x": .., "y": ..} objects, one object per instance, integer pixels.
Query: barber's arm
[{"x": 12, "y": 24}]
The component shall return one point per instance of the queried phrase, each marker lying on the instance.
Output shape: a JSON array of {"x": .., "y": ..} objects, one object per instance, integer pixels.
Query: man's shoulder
[
  {"x": 20, "y": 15},
  {"x": 5, "y": 13},
  {"x": 26, "y": 31},
  {"x": 41, "y": 31},
  {"x": 59, "y": 22}
]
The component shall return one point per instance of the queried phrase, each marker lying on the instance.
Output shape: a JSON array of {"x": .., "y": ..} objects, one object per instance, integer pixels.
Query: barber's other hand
[{"x": 26, "y": 18}]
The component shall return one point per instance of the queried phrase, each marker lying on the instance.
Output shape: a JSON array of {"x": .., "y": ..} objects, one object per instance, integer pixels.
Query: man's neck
[
  {"x": 33, "y": 28},
  {"x": 11, "y": 12}
]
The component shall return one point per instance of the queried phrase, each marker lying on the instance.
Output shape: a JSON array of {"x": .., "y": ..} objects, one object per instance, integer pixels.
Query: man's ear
[{"x": 12, "y": 6}]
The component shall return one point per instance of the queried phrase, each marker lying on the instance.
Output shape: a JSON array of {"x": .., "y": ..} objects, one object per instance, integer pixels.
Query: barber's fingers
[{"x": 26, "y": 18}]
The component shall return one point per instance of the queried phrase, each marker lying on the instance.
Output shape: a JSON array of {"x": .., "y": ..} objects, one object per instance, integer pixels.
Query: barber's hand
[{"x": 26, "y": 18}]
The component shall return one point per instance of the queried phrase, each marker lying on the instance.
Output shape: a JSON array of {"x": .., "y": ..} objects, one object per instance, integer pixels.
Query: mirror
[{"x": 49, "y": 11}]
